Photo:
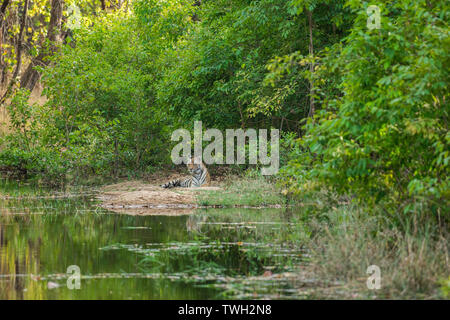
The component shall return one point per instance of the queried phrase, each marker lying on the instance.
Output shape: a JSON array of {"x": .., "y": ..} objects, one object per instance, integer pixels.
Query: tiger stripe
[{"x": 200, "y": 176}]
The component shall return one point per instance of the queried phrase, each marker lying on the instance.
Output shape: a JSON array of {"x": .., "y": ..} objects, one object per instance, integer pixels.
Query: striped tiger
[{"x": 199, "y": 176}]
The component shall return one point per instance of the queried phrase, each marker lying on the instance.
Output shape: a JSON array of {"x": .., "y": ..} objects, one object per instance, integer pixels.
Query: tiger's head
[{"x": 195, "y": 166}]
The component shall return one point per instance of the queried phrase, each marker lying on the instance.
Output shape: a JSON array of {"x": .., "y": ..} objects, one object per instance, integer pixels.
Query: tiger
[{"x": 199, "y": 176}]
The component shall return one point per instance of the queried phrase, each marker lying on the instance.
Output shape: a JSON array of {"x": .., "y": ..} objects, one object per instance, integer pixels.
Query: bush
[
  {"x": 384, "y": 135},
  {"x": 48, "y": 166},
  {"x": 99, "y": 118}
]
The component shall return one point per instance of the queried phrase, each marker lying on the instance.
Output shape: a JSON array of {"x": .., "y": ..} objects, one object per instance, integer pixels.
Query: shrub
[{"x": 384, "y": 135}]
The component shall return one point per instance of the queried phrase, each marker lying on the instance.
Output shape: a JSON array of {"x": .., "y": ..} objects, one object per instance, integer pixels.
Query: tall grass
[
  {"x": 412, "y": 254},
  {"x": 344, "y": 239}
]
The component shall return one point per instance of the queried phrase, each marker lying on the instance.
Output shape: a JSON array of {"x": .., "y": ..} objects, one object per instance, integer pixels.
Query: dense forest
[
  {"x": 361, "y": 110},
  {"x": 360, "y": 95}
]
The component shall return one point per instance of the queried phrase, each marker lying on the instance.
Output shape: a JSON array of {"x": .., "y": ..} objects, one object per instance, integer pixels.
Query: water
[{"x": 210, "y": 254}]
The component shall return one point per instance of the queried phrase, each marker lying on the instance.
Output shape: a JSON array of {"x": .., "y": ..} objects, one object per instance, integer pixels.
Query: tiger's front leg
[{"x": 171, "y": 184}]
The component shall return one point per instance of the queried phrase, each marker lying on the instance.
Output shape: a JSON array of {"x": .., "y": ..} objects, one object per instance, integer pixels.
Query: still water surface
[{"x": 210, "y": 254}]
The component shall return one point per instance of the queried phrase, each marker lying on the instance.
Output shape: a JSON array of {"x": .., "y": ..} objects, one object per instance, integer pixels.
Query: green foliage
[
  {"x": 216, "y": 71},
  {"x": 378, "y": 130},
  {"x": 46, "y": 164},
  {"x": 384, "y": 133},
  {"x": 446, "y": 288},
  {"x": 22, "y": 153},
  {"x": 20, "y": 116},
  {"x": 98, "y": 117}
]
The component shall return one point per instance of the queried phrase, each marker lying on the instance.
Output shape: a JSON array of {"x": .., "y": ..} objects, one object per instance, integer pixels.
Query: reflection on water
[{"x": 210, "y": 254}]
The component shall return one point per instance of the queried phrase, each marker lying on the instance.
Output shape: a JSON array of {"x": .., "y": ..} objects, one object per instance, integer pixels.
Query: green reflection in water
[{"x": 208, "y": 255}]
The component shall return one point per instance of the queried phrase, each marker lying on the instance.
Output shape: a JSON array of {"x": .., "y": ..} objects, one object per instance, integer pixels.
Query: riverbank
[
  {"x": 139, "y": 197},
  {"x": 326, "y": 245},
  {"x": 344, "y": 239}
]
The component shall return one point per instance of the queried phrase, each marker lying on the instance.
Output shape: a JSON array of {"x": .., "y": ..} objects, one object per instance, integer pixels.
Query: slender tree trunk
[
  {"x": 20, "y": 42},
  {"x": 311, "y": 65},
  {"x": 116, "y": 158},
  {"x": 2, "y": 18},
  {"x": 3, "y": 7},
  {"x": 103, "y": 4},
  {"x": 242, "y": 115},
  {"x": 31, "y": 76},
  {"x": 18, "y": 54}
]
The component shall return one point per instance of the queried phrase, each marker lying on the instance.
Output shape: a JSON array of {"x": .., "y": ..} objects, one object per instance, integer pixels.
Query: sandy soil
[{"x": 141, "y": 198}]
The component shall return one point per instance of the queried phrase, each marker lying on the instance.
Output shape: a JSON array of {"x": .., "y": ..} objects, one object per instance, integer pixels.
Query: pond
[{"x": 208, "y": 254}]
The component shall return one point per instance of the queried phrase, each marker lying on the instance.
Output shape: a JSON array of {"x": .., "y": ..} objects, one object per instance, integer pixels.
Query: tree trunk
[
  {"x": 3, "y": 8},
  {"x": 2, "y": 63},
  {"x": 19, "y": 53},
  {"x": 116, "y": 158},
  {"x": 20, "y": 42},
  {"x": 311, "y": 65},
  {"x": 31, "y": 76}
]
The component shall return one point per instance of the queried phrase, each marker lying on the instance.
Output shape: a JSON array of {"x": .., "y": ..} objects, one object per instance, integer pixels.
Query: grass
[
  {"x": 413, "y": 258},
  {"x": 254, "y": 192},
  {"x": 344, "y": 239},
  {"x": 18, "y": 189}
]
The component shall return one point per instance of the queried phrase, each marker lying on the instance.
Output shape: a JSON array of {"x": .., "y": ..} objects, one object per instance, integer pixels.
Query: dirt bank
[{"x": 141, "y": 198}]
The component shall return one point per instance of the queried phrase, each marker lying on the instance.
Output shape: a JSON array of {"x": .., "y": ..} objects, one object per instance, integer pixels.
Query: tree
[
  {"x": 19, "y": 52},
  {"x": 382, "y": 130},
  {"x": 3, "y": 8},
  {"x": 31, "y": 76}
]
